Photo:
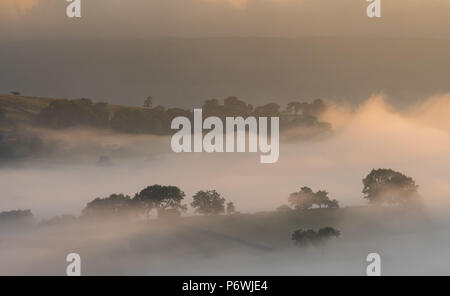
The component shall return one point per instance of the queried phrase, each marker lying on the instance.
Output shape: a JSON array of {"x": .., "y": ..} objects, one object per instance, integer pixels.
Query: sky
[{"x": 25, "y": 19}]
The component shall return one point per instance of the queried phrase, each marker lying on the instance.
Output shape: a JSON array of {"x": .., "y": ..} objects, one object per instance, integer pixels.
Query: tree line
[
  {"x": 167, "y": 201},
  {"x": 157, "y": 120},
  {"x": 380, "y": 187}
]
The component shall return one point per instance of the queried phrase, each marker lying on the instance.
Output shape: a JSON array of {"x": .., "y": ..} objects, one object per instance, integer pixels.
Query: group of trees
[
  {"x": 296, "y": 114},
  {"x": 380, "y": 187},
  {"x": 70, "y": 113},
  {"x": 210, "y": 202},
  {"x": 310, "y": 237},
  {"x": 306, "y": 199},
  {"x": 166, "y": 200},
  {"x": 157, "y": 120}
]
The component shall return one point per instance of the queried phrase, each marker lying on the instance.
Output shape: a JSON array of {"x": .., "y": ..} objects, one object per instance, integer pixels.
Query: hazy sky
[{"x": 288, "y": 18}]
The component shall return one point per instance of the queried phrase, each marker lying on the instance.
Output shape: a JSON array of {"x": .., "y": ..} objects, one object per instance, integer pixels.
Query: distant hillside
[
  {"x": 17, "y": 110},
  {"x": 20, "y": 109}
]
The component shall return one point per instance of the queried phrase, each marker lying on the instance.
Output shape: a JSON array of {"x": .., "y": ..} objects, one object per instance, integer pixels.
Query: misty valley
[
  {"x": 120, "y": 198},
  {"x": 224, "y": 146}
]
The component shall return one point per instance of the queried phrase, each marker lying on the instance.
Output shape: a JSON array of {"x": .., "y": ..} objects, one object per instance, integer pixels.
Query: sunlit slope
[{"x": 22, "y": 108}]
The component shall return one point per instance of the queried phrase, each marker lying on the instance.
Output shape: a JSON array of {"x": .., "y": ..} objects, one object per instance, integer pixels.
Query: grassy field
[{"x": 21, "y": 109}]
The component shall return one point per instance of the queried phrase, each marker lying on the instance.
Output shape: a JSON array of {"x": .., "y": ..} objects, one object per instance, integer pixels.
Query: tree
[
  {"x": 303, "y": 199},
  {"x": 306, "y": 199},
  {"x": 16, "y": 93},
  {"x": 148, "y": 103},
  {"x": 268, "y": 110},
  {"x": 314, "y": 109},
  {"x": 328, "y": 232},
  {"x": 306, "y": 237},
  {"x": 321, "y": 198},
  {"x": 385, "y": 186},
  {"x": 208, "y": 202},
  {"x": 294, "y": 107},
  {"x": 161, "y": 198},
  {"x": 114, "y": 205},
  {"x": 231, "y": 209},
  {"x": 332, "y": 204},
  {"x": 71, "y": 113}
]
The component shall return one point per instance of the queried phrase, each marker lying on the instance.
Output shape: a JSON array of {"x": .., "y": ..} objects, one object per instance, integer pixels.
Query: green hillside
[{"x": 21, "y": 109}]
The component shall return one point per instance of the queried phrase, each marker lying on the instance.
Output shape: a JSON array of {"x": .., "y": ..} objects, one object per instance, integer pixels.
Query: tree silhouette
[
  {"x": 208, "y": 202},
  {"x": 303, "y": 199},
  {"x": 71, "y": 113},
  {"x": 332, "y": 204},
  {"x": 157, "y": 120},
  {"x": 294, "y": 107},
  {"x": 306, "y": 237},
  {"x": 306, "y": 199},
  {"x": 386, "y": 186},
  {"x": 161, "y": 198},
  {"x": 114, "y": 205},
  {"x": 321, "y": 198},
  {"x": 328, "y": 232}
]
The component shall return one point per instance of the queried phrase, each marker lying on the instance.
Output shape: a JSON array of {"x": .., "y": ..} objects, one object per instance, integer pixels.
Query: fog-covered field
[{"x": 410, "y": 243}]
